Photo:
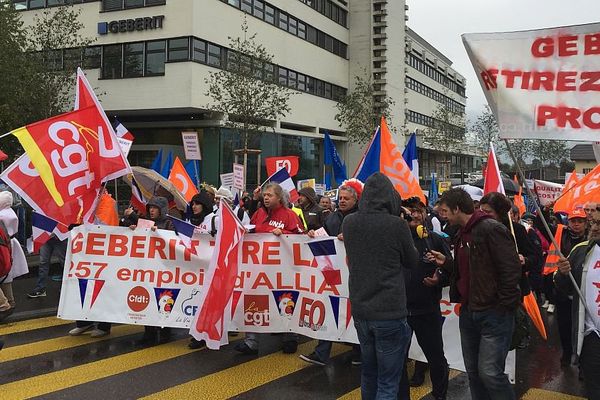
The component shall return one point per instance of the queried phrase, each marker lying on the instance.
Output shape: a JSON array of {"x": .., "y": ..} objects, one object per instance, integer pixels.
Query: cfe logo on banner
[{"x": 541, "y": 84}]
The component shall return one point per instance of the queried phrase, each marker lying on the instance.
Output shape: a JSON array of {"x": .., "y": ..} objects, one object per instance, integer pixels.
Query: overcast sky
[{"x": 441, "y": 22}]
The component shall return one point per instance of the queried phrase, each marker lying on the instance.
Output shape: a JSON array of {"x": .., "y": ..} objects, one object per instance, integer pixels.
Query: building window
[
  {"x": 155, "y": 57},
  {"x": 301, "y": 82},
  {"x": 283, "y": 76},
  {"x": 247, "y": 6},
  {"x": 215, "y": 57},
  {"x": 112, "y": 62},
  {"x": 235, "y": 3},
  {"x": 72, "y": 59},
  {"x": 92, "y": 57},
  {"x": 115, "y": 5},
  {"x": 259, "y": 9},
  {"x": 33, "y": 4},
  {"x": 301, "y": 30},
  {"x": 269, "y": 14},
  {"x": 283, "y": 21},
  {"x": 199, "y": 54},
  {"x": 292, "y": 80},
  {"x": 133, "y": 60},
  {"x": 179, "y": 49}
]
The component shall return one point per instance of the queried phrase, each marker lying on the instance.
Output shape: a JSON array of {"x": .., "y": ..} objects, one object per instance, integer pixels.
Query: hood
[
  {"x": 6, "y": 200},
  {"x": 206, "y": 200},
  {"x": 476, "y": 218},
  {"x": 310, "y": 194},
  {"x": 379, "y": 195},
  {"x": 159, "y": 202}
]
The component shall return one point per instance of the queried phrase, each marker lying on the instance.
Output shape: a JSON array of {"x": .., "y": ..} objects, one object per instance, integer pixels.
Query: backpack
[{"x": 5, "y": 253}]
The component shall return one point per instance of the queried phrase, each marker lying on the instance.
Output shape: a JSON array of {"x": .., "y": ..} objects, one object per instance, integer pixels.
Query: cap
[
  {"x": 577, "y": 213},
  {"x": 225, "y": 193}
]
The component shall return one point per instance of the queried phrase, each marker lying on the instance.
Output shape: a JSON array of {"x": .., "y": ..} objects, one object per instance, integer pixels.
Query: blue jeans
[
  {"x": 485, "y": 339},
  {"x": 383, "y": 345},
  {"x": 52, "y": 246}
]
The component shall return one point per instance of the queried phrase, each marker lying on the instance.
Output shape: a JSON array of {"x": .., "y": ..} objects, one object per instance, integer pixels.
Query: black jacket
[
  {"x": 313, "y": 213},
  {"x": 333, "y": 223},
  {"x": 378, "y": 246},
  {"x": 422, "y": 299}
]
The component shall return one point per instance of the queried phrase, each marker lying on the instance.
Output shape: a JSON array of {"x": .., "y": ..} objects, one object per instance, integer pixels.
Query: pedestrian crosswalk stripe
[
  {"x": 61, "y": 343},
  {"x": 535, "y": 394},
  {"x": 54, "y": 381},
  {"x": 29, "y": 325},
  {"x": 241, "y": 378}
]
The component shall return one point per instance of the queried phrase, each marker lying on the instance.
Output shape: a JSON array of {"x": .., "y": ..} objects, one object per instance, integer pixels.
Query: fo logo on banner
[
  {"x": 256, "y": 310},
  {"x": 138, "y": 299}
]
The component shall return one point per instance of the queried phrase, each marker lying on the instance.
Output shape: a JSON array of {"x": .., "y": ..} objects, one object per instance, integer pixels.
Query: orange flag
[
  {"x": 393, "y": 166},
  {"x": 565, "y": 201},
  {"x": 553, "y": 253},
  {"x": 518, "y": 199},
  {"x": 182, "y": 181},
  {"x": 531, "y": 306}
]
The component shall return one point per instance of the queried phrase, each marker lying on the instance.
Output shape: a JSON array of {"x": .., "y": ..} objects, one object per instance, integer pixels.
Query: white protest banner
[
  {"x": 227, "y": 180},
  {"x": 320, "y": 189},
  {"x": 116, "y": 274},
  {"x": 547, "y": 192},
  {"x": 541, "y": 84},
  {"x": 191, "y": 147},
  {"x": 238, "y": 177}
]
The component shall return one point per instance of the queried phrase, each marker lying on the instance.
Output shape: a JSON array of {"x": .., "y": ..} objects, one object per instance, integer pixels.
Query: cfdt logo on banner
[{"x": 130, "y": 25}]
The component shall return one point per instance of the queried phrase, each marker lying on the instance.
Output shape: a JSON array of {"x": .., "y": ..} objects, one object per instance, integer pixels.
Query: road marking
[
  {"x": 61, "y": 343},
  {"x": 535, "y": 394},
  {"x": 243, "y": 377},
  {"x": 415, "y": 392},
  {"x": 54, "y": 381},
  {"x": 31, "y": 324}
]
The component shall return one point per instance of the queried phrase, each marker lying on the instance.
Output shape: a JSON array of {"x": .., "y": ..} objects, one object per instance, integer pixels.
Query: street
[{"x": 40, "y": 360}]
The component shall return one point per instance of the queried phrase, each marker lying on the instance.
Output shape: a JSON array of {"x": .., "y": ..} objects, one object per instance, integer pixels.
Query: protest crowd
[{"x": 403, "y": 251}]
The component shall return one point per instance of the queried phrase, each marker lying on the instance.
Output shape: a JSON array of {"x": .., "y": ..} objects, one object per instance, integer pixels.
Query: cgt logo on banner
[{"x": 256, "y": 310}]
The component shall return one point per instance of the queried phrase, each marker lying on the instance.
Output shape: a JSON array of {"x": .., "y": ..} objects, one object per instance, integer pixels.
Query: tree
[
  {"x": 447, "y": 131},
  {"x": 485, "y": 129},
  {"x": 37, "y": 65},
  {"x": 549, "y": 152},
  {"x": 247, "y": 92},
  {"x": 360, "y": 111}
]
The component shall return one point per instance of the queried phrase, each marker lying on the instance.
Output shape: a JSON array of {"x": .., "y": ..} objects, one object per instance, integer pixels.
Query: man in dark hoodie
[
  {"x": 485, "y": 280},
  {"x": 379, "y": 246},
  {"x": 309, "y": 204}
]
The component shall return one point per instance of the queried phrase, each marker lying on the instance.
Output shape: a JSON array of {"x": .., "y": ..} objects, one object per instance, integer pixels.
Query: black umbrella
[{"x": 510, "y": 187}]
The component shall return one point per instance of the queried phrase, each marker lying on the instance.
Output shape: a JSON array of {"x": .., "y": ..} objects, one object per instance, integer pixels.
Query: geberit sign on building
[{"x": 130, "y": 25}]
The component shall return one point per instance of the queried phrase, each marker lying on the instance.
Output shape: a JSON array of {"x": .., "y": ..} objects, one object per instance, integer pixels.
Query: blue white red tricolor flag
[
  {"x": 283, "y": 178},
  {"x": 322, "y": 250},
  {"x": 184, "y": 230},
  {"x": 43, "y": 227},
  {"x": 211, "y": 323}
]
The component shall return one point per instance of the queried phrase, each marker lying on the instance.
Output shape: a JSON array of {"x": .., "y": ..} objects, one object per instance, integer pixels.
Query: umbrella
[
  {"x": 510, "y": 187},
  {"x": 531, "y": 306},
  {"x": 149, "y": 181}
]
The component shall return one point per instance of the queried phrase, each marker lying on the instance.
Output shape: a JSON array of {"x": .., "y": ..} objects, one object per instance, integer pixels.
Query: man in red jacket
[{"x": 273, "y": 217}]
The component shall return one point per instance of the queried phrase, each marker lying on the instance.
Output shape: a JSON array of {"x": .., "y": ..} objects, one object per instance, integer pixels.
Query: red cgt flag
[
  {"x": 492, "y": 178},
  {"x": 71, "y": 154},
  {"x": 211, "y": 322}
]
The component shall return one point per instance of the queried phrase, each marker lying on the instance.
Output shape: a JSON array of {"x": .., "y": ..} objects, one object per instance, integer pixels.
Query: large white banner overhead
[{"x": 541, "y": 84}]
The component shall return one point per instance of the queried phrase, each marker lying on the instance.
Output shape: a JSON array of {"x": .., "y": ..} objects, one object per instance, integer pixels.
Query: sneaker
[
  {"x": 245, "y": 349},
  {"x": 289, "y": 347},
  {"x": 36, "y": 293},
  {"x": 546, "y": 304},
  {"x": 551, "y": 309},
  {"x": 312, "y": 358},
  {"x": 98, "y": 333},
  {"x": 79, "y": 330}
]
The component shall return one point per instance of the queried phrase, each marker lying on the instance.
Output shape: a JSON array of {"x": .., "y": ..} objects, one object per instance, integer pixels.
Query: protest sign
[
  {"x": 541, "y": 84},
  {"x": 191, "y": 147},
  {"x": 238, "y": 177},
  {"x": 547, "y": 192}
]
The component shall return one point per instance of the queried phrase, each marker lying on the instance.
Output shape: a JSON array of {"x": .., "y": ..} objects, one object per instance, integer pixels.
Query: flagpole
[{"x": 551, "y": 235}]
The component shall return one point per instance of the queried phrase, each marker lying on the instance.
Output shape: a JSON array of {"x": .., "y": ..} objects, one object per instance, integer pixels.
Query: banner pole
[{"x": 539, "y": 211}]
